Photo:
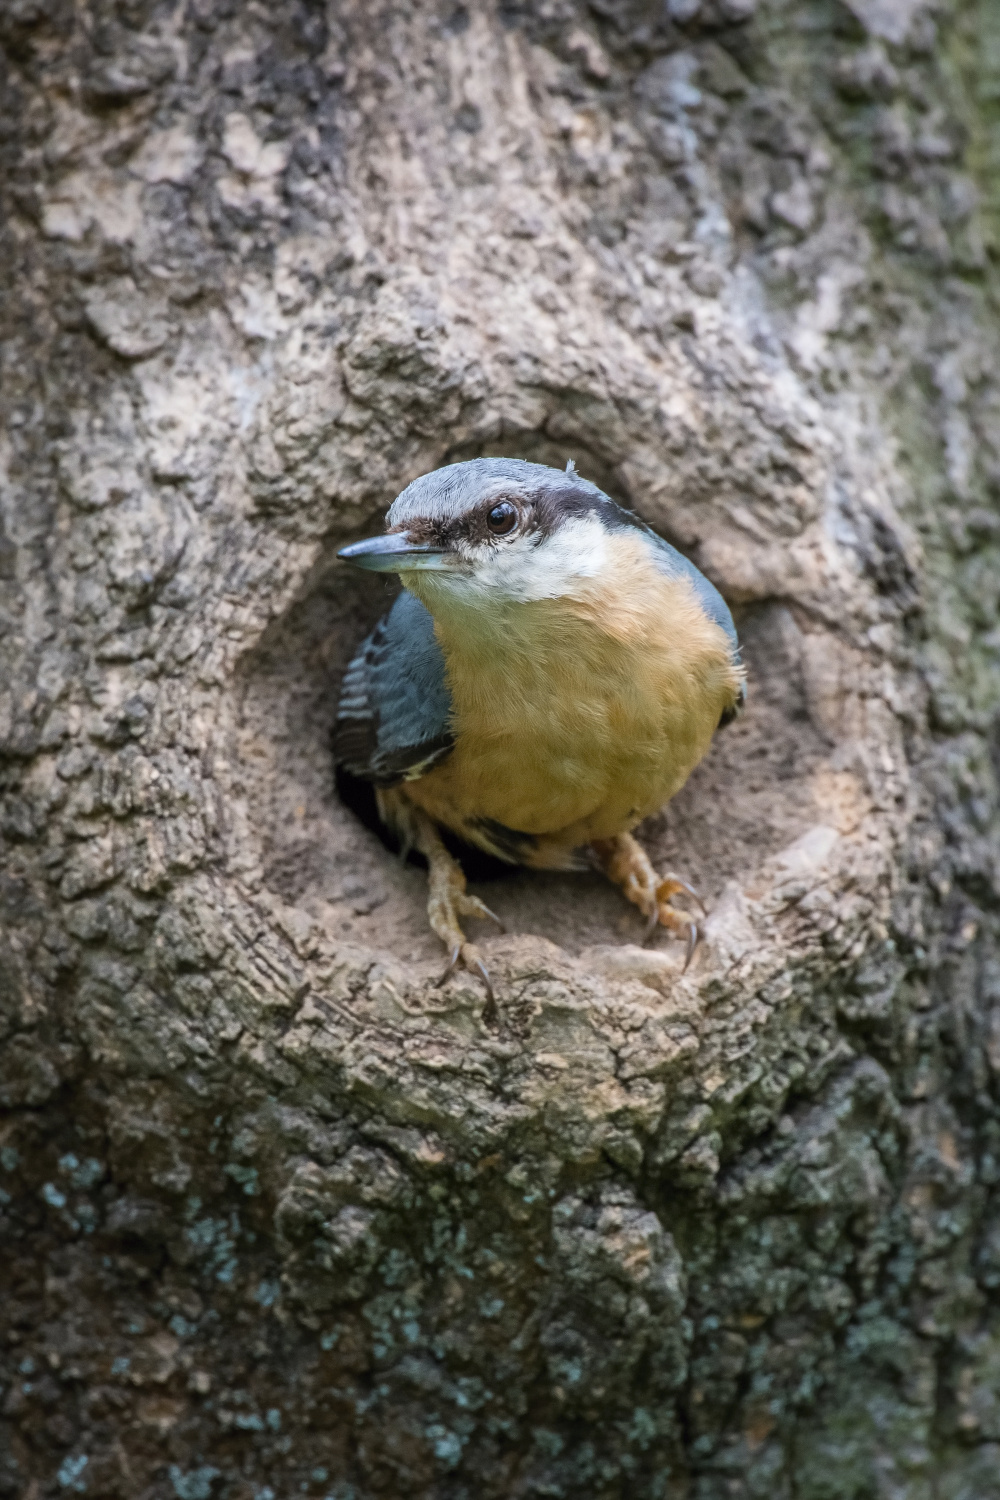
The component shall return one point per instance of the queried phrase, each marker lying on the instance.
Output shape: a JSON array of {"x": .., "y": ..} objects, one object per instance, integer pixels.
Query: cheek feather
[
  {"x": 549, "y": 567},
  {"x": 526, "y": 569}
]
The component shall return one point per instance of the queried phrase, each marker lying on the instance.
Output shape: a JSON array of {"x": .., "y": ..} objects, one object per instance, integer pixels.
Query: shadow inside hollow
[{"x": 359, "y": 796}]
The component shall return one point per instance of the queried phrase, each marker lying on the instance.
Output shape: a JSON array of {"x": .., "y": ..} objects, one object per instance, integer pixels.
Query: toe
[
  {"x": 673, "y": 885},
  {"x": 471, "y": 906},
  {"x": 681, "y": 925}
]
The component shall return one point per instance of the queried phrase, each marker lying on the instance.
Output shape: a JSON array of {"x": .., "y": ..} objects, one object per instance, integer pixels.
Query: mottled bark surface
[{"x": 278, "y": 1216}]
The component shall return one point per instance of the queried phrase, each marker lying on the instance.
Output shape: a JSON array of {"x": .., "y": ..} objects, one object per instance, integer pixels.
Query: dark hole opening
[{"x": 359, "y": 796}]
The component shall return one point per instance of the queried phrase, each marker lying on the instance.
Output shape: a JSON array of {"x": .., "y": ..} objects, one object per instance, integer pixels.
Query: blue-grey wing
[
  {"x": 394, "y": 715},
  {"x": 675, "y": 564}
]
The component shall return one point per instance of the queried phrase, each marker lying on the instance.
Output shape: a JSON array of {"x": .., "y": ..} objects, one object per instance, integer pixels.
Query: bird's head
[{"x": 494, "y": 530}]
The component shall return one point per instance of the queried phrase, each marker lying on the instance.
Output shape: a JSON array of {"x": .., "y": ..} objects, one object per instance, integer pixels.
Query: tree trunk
[{"x": 280, "y": 1214}]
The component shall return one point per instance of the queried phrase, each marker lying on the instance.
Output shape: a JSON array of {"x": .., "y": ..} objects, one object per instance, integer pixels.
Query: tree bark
[{"x": 280, "y": 1216}]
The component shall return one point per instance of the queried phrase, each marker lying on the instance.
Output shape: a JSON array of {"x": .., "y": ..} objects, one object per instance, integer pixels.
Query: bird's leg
[
  {"x": 625, "y": 861},
  {"x": 448, "y": 899}
]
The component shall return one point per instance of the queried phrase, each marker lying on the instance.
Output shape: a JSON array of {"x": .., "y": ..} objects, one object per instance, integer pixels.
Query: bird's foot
[
  {"x": 448, "y": 901},
  {"x": 443, "y": 914},
  {"x": 679, "y": 922},
  {"x": 626, "y": 863}
]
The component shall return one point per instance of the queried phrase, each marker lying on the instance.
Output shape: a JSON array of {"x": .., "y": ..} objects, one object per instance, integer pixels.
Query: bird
[{"x": 550, "y": 674}]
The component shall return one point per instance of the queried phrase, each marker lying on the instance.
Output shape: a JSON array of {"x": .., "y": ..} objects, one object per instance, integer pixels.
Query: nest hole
[{"x": 323, "y": 848}]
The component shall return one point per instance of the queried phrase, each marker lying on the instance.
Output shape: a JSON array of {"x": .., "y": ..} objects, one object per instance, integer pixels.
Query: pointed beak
[{"x": 393, "y": 554}]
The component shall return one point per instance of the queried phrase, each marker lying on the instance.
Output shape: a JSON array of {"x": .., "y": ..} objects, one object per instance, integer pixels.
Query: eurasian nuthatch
[{"x": 550, "y": 675}]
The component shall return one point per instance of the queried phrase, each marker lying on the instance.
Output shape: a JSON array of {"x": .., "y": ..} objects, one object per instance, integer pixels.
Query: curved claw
[
  {"x": 690, "y": 891},
  {"x": 693, "y": 939},
  {"x": 485, "y": 911},
  {"x": 450, "y": 966},
  {"x": 484, "y": 975},
  {"x": 652, "y": 923},
  {"x": 454, "y": 959}
]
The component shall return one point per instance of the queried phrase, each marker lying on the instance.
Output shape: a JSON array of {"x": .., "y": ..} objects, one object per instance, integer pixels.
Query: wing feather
[{"x": 394, "y": 715}]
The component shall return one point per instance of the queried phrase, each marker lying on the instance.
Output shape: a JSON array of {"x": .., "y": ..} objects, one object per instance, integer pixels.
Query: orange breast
[{"x": 577, "y": 717}]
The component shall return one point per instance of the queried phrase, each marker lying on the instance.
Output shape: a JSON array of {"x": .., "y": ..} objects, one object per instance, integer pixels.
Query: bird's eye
[{"x": 502, "y": 518}]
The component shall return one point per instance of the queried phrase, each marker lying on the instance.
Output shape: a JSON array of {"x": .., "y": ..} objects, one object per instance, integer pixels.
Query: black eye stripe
[{"x": 539, "y": 512}]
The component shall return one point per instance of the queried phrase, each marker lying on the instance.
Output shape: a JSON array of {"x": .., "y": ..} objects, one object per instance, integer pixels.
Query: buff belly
[{"x": 574, "y": 720}]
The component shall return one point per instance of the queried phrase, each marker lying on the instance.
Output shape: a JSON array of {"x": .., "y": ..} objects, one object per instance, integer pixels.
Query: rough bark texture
[{"x": 279, "y": 1217}]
